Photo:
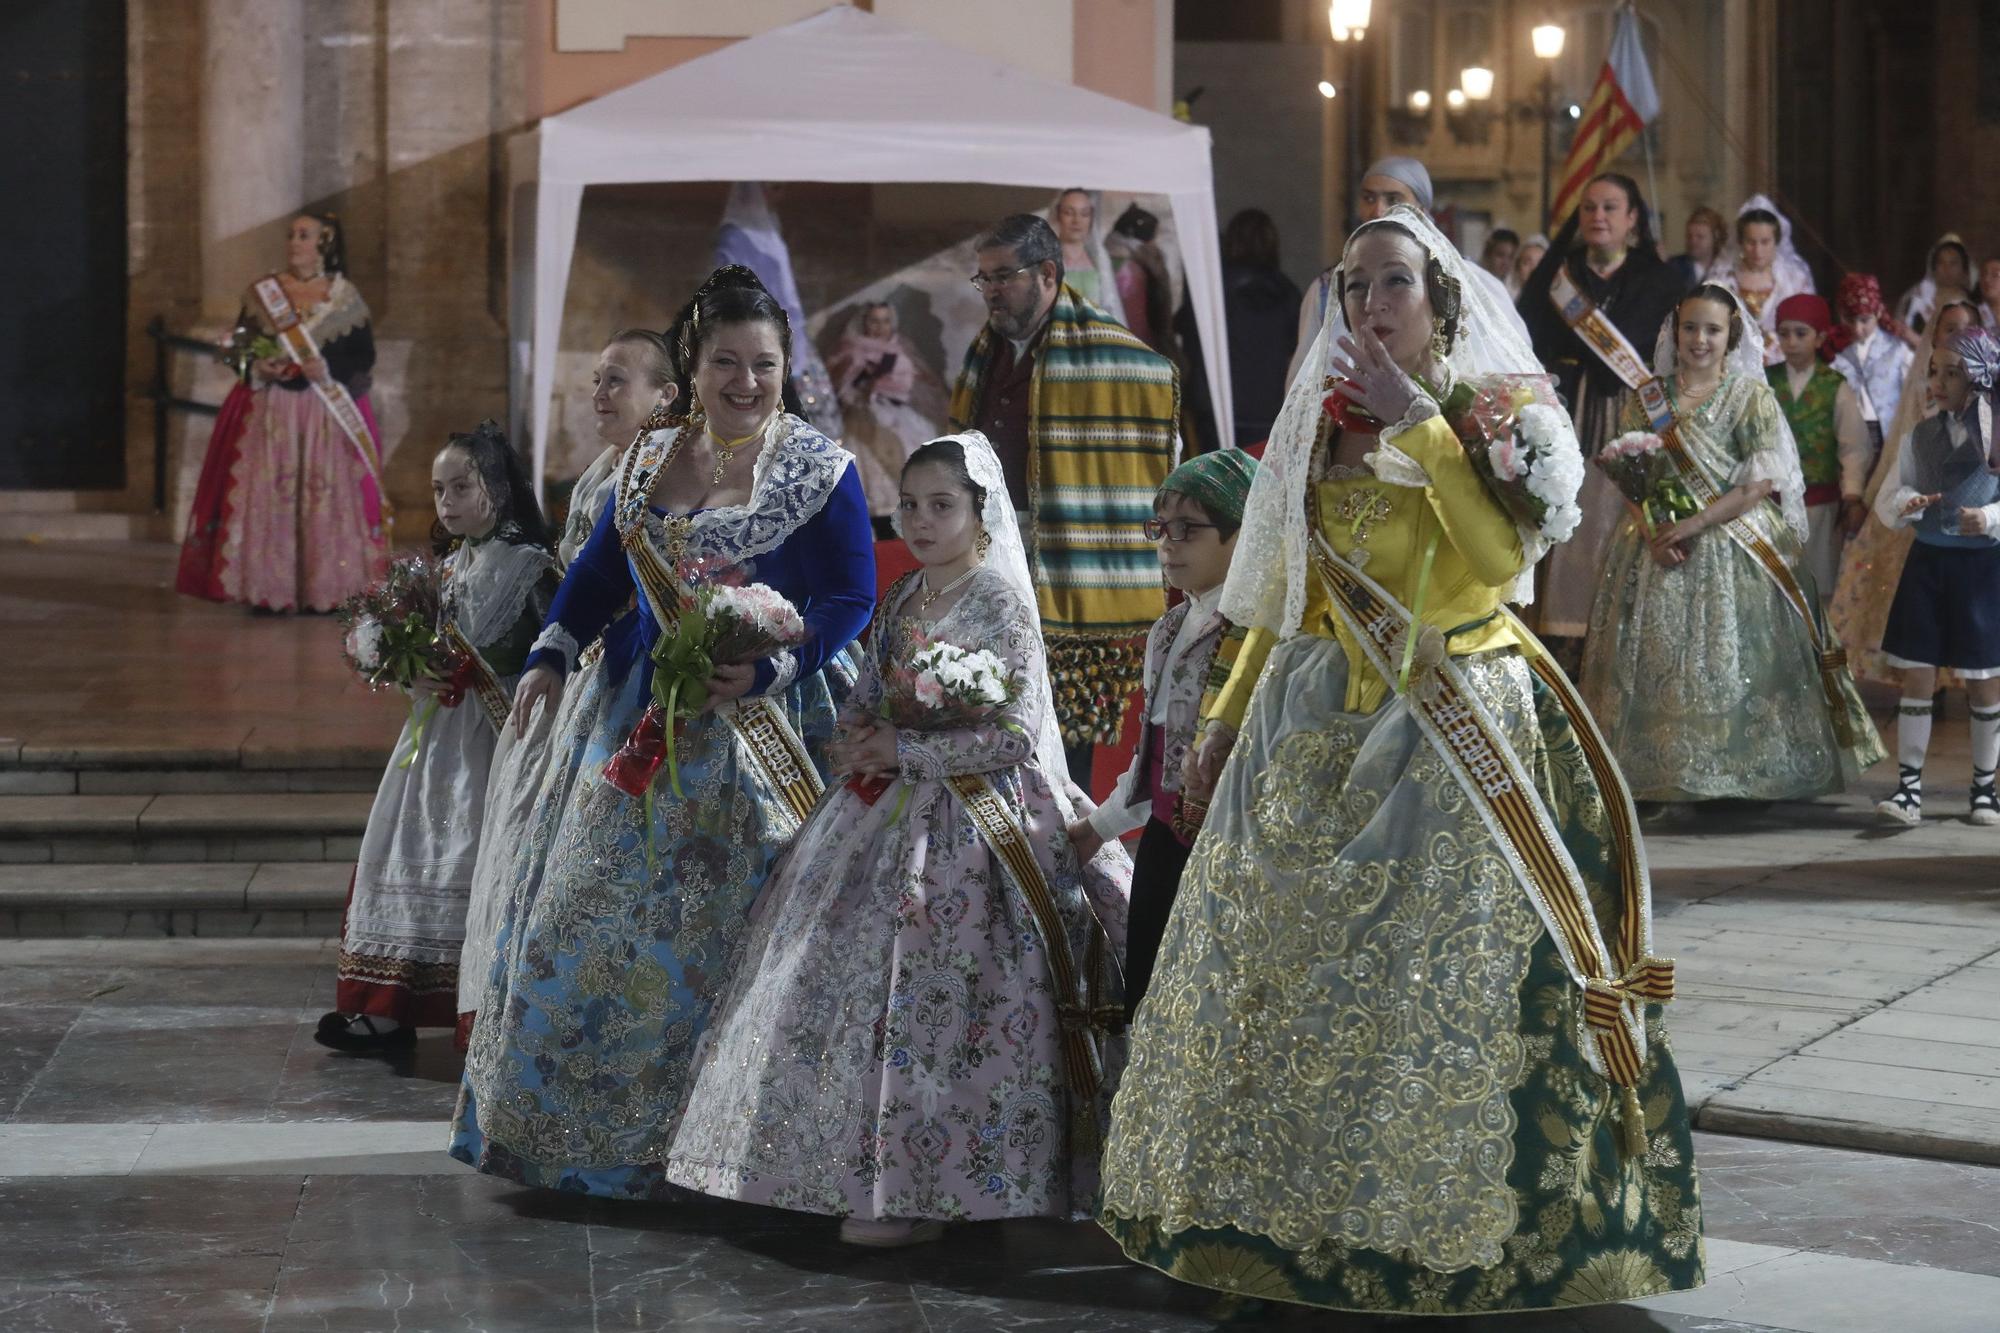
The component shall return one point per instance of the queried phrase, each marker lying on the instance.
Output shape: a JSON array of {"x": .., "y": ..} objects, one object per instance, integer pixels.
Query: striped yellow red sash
[
  {"x": 1082, "y": 1017},
  {"x": 298, "y": 343},
  {"x": 1476, "y": 751},
  {"x": 767, "y": 742},
  {"x": 1598, "y": 333},
  {"x": 1830, "y": 658},
  {"x": 485, "y": 686}
]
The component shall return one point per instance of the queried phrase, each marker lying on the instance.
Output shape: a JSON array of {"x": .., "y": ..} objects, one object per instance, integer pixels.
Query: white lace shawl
[
  {"x": 1008, "y": 558},
  {"x": 796, "y": 470},
  {"x": 1268, "y": 575},
  {"x": 489, "y": 585}
]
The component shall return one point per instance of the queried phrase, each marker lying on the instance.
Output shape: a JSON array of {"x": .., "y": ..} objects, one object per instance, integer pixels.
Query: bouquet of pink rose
[
  {"x": 722, "y": 623},
  {"x": 1644, "y": 472},
  {"x": 940, "y": 687}
]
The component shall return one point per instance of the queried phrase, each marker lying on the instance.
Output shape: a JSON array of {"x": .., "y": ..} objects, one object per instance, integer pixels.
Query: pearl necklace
[{"x": 931, "y": 595}]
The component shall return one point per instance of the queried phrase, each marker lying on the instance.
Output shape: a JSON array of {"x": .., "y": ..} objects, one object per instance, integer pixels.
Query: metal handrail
[{"x": 164, "y": 400}]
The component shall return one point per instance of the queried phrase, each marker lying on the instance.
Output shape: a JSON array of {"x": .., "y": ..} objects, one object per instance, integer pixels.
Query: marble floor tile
[
  {"x": 29, "y": 1039},
  {"x": 155, "y": 1063},
  {"x": 163, "y": 1306},
  {"x": 318, "y": 1084},
  {"x": 1829, "y": 1293},
  {"x": 292, "y": 1148},
  {"x": 222, "y": 1233},
  {"x": 1902, "y": 1210},
  {"x": 71, "y": 1150}
]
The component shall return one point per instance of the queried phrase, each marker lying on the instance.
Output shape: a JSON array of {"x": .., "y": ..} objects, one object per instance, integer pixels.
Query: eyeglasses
[
  {"x": 984, "y": 281},
  {"x": 1174, "y": 529}
]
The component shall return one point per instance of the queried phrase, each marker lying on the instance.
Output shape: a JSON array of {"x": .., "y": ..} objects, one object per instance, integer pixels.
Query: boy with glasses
[{"x": 1196, "y": 515}]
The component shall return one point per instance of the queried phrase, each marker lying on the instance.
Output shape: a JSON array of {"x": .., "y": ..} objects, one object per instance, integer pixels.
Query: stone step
[
  {"x": 84, "y": 527},
  {"x": 193, "y": 827},
  {"x": 277, "y": 899},
  {"x": 158, "y": 781}
]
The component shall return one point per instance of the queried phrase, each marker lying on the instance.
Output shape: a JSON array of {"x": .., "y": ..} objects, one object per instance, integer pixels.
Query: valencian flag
[{"x": 1622, "y": 104}]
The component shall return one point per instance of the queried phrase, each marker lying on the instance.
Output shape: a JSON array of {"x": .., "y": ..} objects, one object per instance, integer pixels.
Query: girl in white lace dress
[{"x": 405, "y": 927}]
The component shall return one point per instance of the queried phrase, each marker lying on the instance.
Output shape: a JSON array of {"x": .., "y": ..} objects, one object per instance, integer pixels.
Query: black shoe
[{"x": 360, "y": 1034}]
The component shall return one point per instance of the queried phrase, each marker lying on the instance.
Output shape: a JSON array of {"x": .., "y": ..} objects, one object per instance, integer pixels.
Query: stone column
[{"x": 252, "y": 142}]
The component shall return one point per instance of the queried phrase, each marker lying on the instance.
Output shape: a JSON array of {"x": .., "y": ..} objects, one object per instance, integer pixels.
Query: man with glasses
[{"x": 1085, "y": 419}]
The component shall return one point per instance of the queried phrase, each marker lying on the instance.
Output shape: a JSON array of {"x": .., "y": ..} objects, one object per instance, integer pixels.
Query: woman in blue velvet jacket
[{"x": 626, "y": 910}]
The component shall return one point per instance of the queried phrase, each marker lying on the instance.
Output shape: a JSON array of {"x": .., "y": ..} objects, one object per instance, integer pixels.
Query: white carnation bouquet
[{"x": 1522, "y": 446}]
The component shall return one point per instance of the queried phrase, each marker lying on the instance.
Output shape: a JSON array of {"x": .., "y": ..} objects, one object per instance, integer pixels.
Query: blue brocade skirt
[{"x": 617, "y": 941}]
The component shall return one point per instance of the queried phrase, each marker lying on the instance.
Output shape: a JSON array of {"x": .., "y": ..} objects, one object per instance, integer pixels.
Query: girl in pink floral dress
[{"x": 920, "y": 1026}]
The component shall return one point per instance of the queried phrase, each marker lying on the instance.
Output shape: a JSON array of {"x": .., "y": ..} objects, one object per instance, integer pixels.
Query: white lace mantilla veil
[
  {"x": 1007, "y": 557},
  {"x": 1789, "y": 269},
  {"x": 1107, "y": 298},
  {"x": 1779, "y": 466},
  {"x": 1268, "y": 576}
]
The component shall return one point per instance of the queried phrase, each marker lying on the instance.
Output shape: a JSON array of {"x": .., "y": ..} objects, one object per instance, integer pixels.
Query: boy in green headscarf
[{"x": 1196, "y": 514}]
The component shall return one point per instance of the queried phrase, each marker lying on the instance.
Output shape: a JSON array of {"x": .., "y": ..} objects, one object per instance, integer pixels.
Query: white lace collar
[
  {"x": 489, "y": 584},
  {"x": 796, "y": 470}
]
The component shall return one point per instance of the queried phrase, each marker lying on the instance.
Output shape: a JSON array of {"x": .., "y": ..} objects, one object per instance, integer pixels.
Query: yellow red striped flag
[{"x": 1622, "y": 103}]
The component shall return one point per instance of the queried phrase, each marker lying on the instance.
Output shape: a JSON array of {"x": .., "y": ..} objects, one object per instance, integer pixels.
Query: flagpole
[{"x": 1646, "y": 140}]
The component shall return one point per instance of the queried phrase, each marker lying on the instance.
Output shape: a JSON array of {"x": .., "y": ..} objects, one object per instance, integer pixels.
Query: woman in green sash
[
  {"x": 1402, "y": 1049},
  {"x": 1709, "y": 664}
]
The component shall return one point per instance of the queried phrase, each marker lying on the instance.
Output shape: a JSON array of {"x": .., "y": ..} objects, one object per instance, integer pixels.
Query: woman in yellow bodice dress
[{"x": 1403, "y": 1048}]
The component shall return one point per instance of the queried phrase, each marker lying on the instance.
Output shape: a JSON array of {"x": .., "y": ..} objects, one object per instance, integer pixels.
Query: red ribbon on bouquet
[{"x": 1348, "y": 414}]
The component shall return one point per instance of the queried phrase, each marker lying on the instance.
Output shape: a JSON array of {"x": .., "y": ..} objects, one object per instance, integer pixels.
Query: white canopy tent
[{"x": 845, "y": 96}]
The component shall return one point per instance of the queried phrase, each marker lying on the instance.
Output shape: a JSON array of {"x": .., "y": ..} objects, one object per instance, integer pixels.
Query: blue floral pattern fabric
[{"x": 625, "y": 913}]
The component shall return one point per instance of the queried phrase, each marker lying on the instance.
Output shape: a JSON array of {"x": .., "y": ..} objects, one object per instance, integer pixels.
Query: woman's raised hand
[
  {"x": 1372, "y": 380},
  {"x": 1917, "y": 504}
]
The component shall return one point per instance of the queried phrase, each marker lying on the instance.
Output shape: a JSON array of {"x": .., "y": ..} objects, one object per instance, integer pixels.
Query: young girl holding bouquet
[
  {"x": 920, "y": 1026},
  {"x": 399, "y": 951},
  {"x": 1709, "y": 664}
]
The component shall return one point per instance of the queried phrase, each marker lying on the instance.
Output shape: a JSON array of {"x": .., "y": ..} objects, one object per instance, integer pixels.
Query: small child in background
[
  {"x": 1870, "y": 354},
  {"x": 399, "y": 949},
  {"x": 1947, "y": 607},
  {"x": 1197, "y": 513},
  {"x": 1834, "y": 449}
]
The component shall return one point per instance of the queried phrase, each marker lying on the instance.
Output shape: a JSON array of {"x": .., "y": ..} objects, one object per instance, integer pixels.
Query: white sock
[
  {"x": 1913, "y": 732},
  {"x": 1985, "y": 739}
]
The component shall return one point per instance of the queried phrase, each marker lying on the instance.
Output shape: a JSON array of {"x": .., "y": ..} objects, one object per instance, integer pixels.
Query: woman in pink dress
[
  {"x": 288, "y": 515},
  {"x": 890, "y": 402}
]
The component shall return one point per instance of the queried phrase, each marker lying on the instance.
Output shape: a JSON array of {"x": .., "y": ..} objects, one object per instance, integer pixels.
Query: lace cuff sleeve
[{"x": 557, "y": 641}]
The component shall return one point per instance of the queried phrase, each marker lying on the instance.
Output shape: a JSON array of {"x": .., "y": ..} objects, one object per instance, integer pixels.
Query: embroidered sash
[
  {"x": 298, "y": 343},
  {"x": 1831, "y": 658},
  {"x": 1474, "y": 748},
  {"x": 1615, "y": 350},
  {"x": 1082, "y": 1018},
  {"x": 479, "y": 680},
  {"x": 1599, "y": 334},
  {"x": 766, "y": 740}
]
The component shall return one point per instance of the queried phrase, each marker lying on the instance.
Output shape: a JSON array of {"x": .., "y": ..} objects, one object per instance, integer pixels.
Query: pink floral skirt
[{"x": 285, "y": 516}]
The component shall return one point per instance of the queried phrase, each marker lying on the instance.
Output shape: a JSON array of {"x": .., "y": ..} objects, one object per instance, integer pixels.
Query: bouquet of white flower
[
  {"x": 940, "y": 687},
  {"x": 1522, "y": 446}
]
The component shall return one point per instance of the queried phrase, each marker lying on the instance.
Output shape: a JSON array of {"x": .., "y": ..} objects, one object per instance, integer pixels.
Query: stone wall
[{"x": 395, "y": 120}]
